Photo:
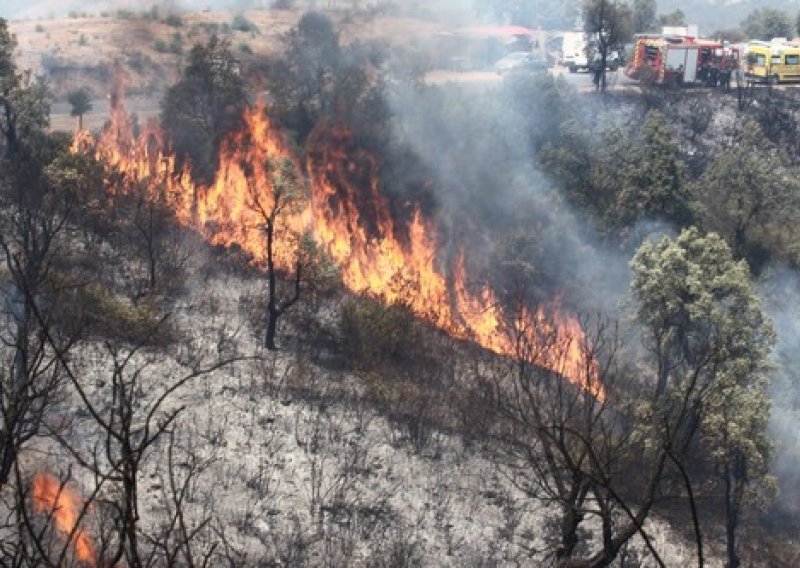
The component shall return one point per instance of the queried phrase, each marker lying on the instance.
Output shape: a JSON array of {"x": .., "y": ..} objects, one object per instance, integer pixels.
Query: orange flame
[
  {"x": 348, "y": 217},
  {"x": 50, "y": 496}
]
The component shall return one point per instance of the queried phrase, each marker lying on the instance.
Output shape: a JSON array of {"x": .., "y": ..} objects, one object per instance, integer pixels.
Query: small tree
[
  {"x": 710, "y": 344},
  {"x": 610, "y": 23},
  {"x": 748, "y": 193},
  {"x": 205, "y": 105},
  {"x": 274, "y": 208},
  {"x": 653, "y": 183},
  {"x": 81, "y": 103}
]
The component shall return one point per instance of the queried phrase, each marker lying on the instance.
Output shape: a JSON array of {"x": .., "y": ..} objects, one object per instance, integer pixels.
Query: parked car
[{"x": 520, "y": 61}]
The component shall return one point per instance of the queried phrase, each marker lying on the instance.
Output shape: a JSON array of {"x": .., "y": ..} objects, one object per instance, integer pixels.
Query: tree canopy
[
  {"x": 711, "y": 344},
  {"x": 748, "y": 193},
  {"x": 767, "y": 23},
  {"x": 644, "y": 16},
  {"x": 206, "y": 104},
  {"x": 81, "y": 103}
]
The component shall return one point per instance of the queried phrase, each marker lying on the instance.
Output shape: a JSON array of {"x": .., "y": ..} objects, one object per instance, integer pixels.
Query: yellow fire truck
[{"x": 772, "y": 62}]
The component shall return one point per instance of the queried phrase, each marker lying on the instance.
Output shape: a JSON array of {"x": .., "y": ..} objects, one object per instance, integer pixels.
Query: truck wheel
[
  {"x": 773, "y": 79},
  {"x": 573, "y": 69}
]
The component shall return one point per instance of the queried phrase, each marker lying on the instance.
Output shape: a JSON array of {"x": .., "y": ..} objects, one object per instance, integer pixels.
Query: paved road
[{"x": 582, "y": 81}]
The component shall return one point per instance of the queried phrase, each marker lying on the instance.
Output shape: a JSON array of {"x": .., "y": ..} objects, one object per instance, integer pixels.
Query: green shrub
[
  {"x": 174, "y": 21},
  {"x": 242, "y": 24},
  {"x": 373, "y": 335},
  {"x": 176, "y": 44},
  {"x": 97, "y": 313},
  {"x": 161, "y": 46}
]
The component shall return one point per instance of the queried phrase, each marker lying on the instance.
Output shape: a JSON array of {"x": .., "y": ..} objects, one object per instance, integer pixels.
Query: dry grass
[
  {"x": 82, "y": 52},
  {"x": 86, "y": 52}
]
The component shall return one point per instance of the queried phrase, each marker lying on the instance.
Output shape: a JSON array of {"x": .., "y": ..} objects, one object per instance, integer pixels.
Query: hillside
[{"x": 294, "y": 301}]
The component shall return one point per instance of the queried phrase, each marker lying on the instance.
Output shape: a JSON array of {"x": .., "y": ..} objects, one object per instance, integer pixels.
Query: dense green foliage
[
  {"x": 711, "y": 344},
  {"x": 81, "y": 103},
  {"x": 205, "y": 105},
  {"x": 767, "y": 23},
  {"x": 644, "y": 16}
]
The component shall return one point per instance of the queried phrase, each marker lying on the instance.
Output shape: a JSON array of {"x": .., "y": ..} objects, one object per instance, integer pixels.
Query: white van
[{"x": 574, "y": 51}]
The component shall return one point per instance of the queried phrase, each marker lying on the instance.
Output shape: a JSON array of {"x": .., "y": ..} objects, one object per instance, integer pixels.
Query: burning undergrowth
[
  {"x": 394, "y": 260},
  {"x": 61, "y": 503}
]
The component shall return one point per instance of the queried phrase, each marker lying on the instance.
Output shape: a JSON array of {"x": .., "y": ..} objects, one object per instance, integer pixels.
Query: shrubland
[{"x": 189, "y": 406}]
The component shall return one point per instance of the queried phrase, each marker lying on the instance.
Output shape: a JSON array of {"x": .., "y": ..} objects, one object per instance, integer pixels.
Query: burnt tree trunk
[
  {"x": 734, "y": 487},
  {"x": 698, "y": 535},
  {"x": 274, "y": 309}
]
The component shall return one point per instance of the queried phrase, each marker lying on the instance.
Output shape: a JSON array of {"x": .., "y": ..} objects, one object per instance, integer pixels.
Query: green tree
[
  {"x": 710, "y": 344},
  {"x": 273, "y": 207},
  {"x": 24, "y": 110},
  {"x": 318, "y": 80},
  {"x": 303, "y": 79},
  {"x": 676, "y": 18},
  {"x": 644, "y": 16},
  {"x": 81, "y": 103},
  {"x": 767, "y": 23},
  {"x": 652, "y": 183},
  {"x": 205, "y": 105},
  {"x": 748, "y": 195},
  {"x": 611, "y": 24}
]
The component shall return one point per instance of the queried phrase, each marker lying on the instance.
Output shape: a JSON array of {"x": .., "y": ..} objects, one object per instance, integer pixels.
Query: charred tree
[
  {"x": 274, "y": 200},
  {"x": 566, "y": 446},
  {"x": 130, "y": 427}
]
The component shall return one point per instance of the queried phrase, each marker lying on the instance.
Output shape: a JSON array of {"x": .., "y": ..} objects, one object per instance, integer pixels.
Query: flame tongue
[
  {"x": 379, "y": 263},
  {"x": 348, "y": 217},
  {"x": 50, "y": 496}
]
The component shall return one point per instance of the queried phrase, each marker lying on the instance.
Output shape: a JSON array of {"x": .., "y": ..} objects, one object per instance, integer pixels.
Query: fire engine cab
[{"x": 682, "y": 60}]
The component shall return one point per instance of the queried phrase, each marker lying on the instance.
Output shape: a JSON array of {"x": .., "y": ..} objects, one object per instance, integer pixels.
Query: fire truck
[
  {"x": 773, "y": 62},
  {"x": 682, "y": 60}
]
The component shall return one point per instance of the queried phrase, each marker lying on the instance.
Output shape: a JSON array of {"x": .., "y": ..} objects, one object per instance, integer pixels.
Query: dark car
[{"x": 520, "y": 61}]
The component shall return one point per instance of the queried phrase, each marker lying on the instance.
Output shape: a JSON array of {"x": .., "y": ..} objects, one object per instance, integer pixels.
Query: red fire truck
[{"x": 682, "y": 60}]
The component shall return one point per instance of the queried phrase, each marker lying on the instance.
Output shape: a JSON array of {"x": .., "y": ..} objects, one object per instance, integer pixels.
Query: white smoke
[{"x": 781, "y": 294}]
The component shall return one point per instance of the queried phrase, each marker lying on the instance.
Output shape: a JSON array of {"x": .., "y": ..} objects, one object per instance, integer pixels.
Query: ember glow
[
  {"x": 51, "y": 497},
  {"x": 349, "y": 218}
]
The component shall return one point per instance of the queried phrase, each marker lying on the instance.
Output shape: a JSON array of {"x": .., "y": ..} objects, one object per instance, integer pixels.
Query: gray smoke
[
  {"x": 781, "y": 294},
  {"x": 476, "y": 143}
]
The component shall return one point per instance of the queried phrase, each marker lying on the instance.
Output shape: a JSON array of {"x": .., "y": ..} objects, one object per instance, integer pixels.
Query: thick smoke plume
[{"x": 478, "y": 146}]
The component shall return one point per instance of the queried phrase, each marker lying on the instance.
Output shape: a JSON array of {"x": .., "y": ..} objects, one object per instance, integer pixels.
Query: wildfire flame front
[{"x": 374, "y": 260}]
